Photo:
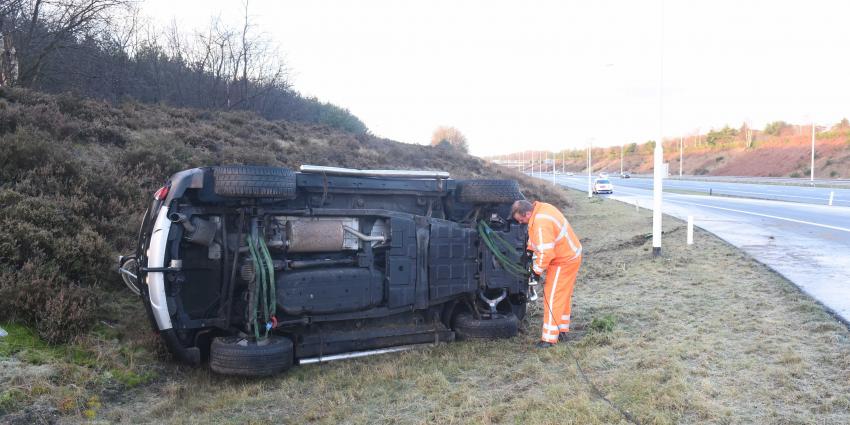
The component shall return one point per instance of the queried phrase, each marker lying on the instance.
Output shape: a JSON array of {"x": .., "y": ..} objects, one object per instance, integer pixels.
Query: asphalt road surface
[
  {"x": 803, "y": 194},
  {"x": 806, "y": 241}
]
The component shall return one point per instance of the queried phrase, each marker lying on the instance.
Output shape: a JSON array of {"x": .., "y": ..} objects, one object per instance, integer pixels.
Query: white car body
[{"x": 602, "y": 186}]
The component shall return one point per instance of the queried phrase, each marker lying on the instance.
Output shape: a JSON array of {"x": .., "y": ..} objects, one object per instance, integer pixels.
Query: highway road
[
  {"x": 795, "y": 193},
  {"x": 806, "y": 241}
]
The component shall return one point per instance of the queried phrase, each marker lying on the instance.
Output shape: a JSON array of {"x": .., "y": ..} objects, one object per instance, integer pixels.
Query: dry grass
[{"x": 702, "y": 334}]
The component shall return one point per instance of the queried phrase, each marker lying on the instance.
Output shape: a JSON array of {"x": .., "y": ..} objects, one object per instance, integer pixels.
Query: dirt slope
[{"x": 788, "y": 155}]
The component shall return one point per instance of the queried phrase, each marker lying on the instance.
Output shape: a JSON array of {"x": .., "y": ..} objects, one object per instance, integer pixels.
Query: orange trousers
[{"x": 557, "y": 298}]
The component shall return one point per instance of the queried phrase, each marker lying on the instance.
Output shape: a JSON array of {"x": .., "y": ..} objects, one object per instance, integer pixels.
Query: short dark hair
[{"x": 521, "y": 207}]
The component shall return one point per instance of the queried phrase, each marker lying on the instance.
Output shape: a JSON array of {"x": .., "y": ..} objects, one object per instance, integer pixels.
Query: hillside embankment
[
  {"x": 75, "y": 178},
  {"x": 785, "y": 155},
  {"x": 701, "y": 334}
]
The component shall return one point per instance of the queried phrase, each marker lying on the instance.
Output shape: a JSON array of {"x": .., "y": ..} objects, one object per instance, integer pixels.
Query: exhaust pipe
[
  {"x": 198, "y": 230},
  {"x": 364, "y": 237},
  {"x": 182, "y": 219}
]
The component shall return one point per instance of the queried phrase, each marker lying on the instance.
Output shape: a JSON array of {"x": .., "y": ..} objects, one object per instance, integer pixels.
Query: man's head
[{"x": 521, "y": 211}]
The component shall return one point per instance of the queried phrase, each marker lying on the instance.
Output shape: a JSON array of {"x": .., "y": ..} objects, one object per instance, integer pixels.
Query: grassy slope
[
  {"x": 75, "y": 177},
  {"x": 703, "y": 334}
]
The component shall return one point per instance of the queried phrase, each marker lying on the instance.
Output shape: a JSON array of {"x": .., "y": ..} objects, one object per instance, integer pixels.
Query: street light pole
[
  {"x": 681, "y": 154},
  {"x": 658, "y": 160},
  {"x": 553, "y": 168},
  {"x": 589, "y": 169},
  {"x": 621, "y": 159},
  {"x": 812, "y": 174}
]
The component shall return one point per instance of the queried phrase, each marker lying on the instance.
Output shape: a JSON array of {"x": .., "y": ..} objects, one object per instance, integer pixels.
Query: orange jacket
[{"x": 551, "y": 237}]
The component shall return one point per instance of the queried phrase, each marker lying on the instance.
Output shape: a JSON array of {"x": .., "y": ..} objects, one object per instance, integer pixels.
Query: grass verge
[{"x": 701, "y": 334}]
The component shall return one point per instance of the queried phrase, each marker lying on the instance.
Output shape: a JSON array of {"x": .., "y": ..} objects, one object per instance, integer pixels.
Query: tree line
[{"x": 105, "y": 49}]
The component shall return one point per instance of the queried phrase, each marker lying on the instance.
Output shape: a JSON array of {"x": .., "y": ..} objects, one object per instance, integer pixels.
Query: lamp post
[
  {"x": 681, "y": 154},
  {"x": 621, "y": 159},
  {"x": 812, "y": 173},
  {"x": 589, "y": 169},
  {"x": 553, "y": 168},
  {"x": 658, "y": 160}
]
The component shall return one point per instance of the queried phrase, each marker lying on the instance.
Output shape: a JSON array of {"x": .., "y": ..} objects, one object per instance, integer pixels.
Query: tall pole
[
  {"x": 812, "y": 174},
  {"x": 681, "y": 154},
  {"x": 621, "y": 159},
  {"x": 564, "y": 162},
  {"x": 553, "y": 168},
  {"x": 658, "y": 160},
  {"x": 589, "y": 169}
]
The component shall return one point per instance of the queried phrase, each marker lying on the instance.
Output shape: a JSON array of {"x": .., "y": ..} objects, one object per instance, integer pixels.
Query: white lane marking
[
  {"x": 843, "y": 229},
  {"x": 721, "y": 190}
]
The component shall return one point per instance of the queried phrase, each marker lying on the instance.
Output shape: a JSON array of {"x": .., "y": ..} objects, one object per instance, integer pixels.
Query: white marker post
[
  {"x": 831, "y": 195},
  {"x": 690, "y": 230}
]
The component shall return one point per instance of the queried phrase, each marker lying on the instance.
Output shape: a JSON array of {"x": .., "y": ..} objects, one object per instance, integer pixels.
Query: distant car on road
[
  {"x": 603, "y": 175},
  {"x": 625, "y": 176},
  {"x": 603, "y": 186},
  {"x": 570, "y": 173}
]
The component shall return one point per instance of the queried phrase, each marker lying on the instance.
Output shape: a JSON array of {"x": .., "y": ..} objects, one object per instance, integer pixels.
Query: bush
[
  {"x": 38, "y": 294},
  {"x": 775, "y": 128},
  {"x": 603, "y": 324}
]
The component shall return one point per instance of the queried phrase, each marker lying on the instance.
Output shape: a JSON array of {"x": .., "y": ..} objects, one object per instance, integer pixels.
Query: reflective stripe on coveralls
[{"x": 558, "y": 293}]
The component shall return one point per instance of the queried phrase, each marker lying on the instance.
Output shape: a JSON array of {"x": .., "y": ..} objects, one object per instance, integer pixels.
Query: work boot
[{"x": 544, "y": 344}]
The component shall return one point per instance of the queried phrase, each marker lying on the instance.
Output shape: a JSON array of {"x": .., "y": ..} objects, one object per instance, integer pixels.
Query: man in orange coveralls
[{"x": 557, "y": 251}]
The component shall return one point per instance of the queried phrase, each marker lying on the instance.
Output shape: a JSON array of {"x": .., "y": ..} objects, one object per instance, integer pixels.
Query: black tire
[
  {"x": 519, "y": 309},
  {"x": 228, "y": 357},
  {"x": 246, "y": 181},
  {"x": 466, "y": 326},
  {"x": 488, "y": 191}
]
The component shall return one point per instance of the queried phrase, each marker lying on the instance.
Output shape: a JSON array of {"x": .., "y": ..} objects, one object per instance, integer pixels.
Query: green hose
[
  {"x": 510, "y": 262},
  {"x": 271, "y": 299},
  {"x": 263, "y": 297}
]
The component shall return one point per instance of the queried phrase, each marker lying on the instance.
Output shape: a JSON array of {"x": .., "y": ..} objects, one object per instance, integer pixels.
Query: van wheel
[
  {"x": 489, "y": 191},
  {"x": 246, "y": 357},
  {"x": 498, "y": 326},
  {"x": 246, "y": 181}
]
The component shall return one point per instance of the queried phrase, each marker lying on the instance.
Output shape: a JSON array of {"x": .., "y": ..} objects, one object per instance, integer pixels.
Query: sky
[{"x": 554, "y": 75}]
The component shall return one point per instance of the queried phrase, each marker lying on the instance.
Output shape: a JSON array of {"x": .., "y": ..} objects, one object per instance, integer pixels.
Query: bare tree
[
  {"x": 451, "y": 136},
  {"x": 45, "y": 26}
]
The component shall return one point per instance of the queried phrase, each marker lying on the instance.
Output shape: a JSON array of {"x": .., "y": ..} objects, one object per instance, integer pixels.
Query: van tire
[
  {"x": 246, "y": 357},
  {"x": 247, "y": 181},
  {"x": 501, "y": 326}
]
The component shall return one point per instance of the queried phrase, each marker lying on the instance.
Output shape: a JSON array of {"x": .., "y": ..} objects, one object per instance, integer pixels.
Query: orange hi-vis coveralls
[{"x": 557, "y": 251}]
